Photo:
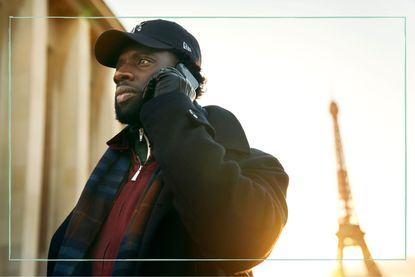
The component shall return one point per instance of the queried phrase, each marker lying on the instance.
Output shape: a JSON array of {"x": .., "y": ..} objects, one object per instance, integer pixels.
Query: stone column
[
  {"x": 29, "y": 52},
  {"x": 68, "y": 116}
]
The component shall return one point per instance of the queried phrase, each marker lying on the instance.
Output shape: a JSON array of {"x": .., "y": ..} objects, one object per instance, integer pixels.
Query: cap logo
[
  {"x": 137, "y": 28},
  {"x": 186, "y": 47}
]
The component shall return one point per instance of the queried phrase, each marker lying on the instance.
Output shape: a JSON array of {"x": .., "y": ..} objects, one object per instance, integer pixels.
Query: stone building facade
[{"x": 56, "y": 112}]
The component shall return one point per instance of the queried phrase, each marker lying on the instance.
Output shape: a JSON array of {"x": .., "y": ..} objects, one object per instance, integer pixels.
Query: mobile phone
[{"x": 189, "y": 77}]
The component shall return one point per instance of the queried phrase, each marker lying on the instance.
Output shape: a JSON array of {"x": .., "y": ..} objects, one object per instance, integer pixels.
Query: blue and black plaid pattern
[{"x": 93, "y": 208}]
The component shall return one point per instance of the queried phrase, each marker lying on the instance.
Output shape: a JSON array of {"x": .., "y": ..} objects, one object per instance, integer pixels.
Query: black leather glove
[{"x": 168, "y": 80}]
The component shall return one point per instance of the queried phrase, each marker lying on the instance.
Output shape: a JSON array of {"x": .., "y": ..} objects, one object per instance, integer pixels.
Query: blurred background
[{"x": 277, "y": 65}]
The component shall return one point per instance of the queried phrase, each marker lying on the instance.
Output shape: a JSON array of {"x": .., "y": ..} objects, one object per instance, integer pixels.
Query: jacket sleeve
[{"x": 232, "y": 208}]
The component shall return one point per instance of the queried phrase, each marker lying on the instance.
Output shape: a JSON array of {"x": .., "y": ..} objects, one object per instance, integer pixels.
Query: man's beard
[{"x": 129, "y": 113}]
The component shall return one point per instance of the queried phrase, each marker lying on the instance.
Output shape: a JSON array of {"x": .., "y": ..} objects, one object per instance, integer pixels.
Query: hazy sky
[{"x": 278, "y": 76}]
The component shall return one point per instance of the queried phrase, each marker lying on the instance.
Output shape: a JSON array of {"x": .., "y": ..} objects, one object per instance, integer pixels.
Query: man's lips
[
  {"x": 124, "y": 96},
  {"x": 123, "y": 93}
]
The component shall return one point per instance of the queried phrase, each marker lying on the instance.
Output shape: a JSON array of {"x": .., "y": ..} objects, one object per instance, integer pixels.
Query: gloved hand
[{"x": 167, "y": 80}]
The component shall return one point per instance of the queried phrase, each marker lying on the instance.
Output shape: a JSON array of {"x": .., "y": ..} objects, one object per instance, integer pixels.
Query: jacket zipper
[{"x": 141, "y": 135}]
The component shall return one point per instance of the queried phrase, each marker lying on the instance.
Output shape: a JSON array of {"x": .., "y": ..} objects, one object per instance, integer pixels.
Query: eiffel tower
[{"x": 349, "y": 233}]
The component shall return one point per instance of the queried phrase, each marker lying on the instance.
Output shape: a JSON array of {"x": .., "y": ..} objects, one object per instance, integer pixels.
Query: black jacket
[{"x": 221, "y": 199}]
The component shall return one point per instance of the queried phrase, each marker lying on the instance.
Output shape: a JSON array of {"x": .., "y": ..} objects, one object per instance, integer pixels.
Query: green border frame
[{"x": 205, "y": 17}]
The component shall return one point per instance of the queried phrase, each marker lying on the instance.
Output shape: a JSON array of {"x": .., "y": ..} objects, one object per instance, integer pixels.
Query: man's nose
[{"x": 122, "y": 74}]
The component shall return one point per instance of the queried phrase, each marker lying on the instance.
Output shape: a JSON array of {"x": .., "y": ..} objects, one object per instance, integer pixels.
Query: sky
[{"x": 277, "y": 71}]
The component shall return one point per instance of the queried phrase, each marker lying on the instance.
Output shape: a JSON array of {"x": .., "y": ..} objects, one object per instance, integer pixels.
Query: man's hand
[{"x": 168, "y": 80}]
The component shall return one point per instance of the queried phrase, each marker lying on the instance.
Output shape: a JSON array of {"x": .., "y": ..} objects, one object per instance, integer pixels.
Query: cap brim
[{"x": 110, "y": 44}]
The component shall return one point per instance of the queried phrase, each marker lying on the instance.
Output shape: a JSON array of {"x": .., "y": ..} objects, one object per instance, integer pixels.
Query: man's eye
[{"x": 143, "y": 61}]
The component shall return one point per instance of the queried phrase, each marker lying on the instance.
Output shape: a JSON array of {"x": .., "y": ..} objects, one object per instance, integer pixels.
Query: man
[{"x": 179, "y": 182}]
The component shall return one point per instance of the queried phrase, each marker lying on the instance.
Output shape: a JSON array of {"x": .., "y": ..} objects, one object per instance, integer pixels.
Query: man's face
[{"x": 135, "y": 66}]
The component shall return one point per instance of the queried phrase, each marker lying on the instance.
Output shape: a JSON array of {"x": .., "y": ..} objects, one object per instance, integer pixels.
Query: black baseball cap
[{"x": 157, "y": 34}]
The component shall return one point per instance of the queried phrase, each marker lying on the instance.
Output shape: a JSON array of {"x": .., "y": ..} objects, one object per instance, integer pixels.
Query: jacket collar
[
  {"x": 228, "y": 130},
  {"x": 120, "y": 141}
]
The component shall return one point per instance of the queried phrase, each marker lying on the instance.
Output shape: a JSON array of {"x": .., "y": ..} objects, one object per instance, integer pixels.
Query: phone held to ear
[{"x": 189, "y": 77}]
